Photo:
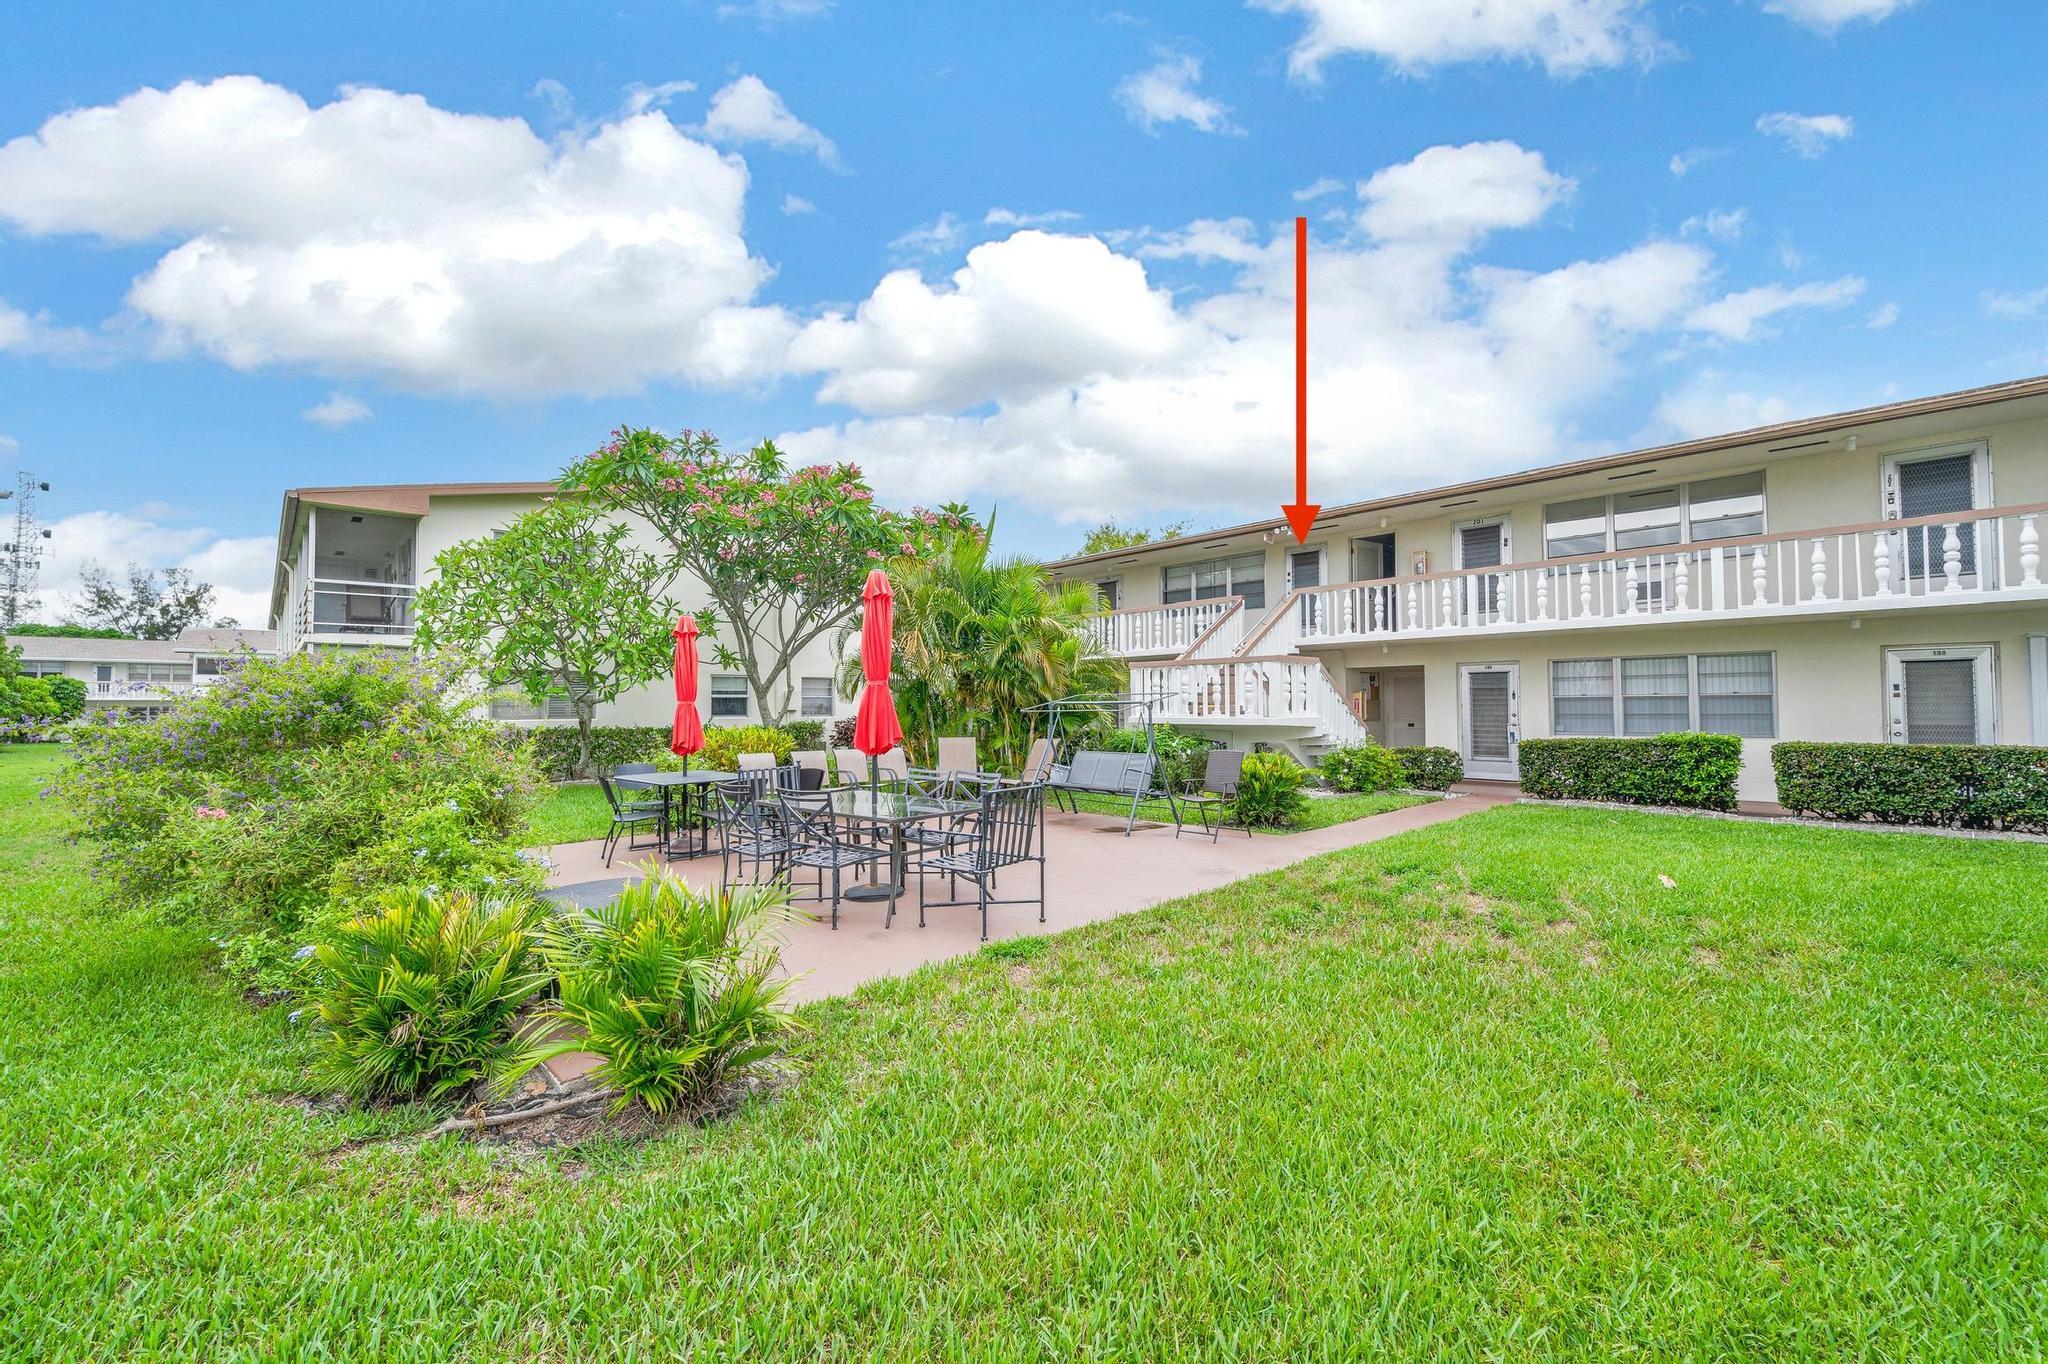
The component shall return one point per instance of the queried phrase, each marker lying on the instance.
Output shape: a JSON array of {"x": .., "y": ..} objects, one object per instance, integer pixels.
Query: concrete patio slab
[{"x": 1092, "y": 872}]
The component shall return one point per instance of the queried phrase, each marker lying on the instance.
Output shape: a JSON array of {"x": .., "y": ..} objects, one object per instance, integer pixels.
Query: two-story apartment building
[
  {"x": 141, "y": 677},
  {"x": 351, "y": 560},
  {"x": 1870, "y": 575}
]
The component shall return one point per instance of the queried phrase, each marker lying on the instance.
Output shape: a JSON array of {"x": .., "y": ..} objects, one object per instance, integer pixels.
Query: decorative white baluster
[
  {"x": 1952, "y": 557},
  {"x": 2030, "y": 552},
  {"x": 1504, "y": 596},
  {"x": 1881, "y": 561},
  {"x": 1756, "y": 577},
  {"x": 1542, "y": 594},
  {"x": 1628, "y": 589},
  {"x": 1449, "y": 615},
  {"x": 1414, "y": 607},
  {"x": 1681, "y": 582},
  {"x": 1818, "y": 570},
  {"x": 1585, "y": 590}
]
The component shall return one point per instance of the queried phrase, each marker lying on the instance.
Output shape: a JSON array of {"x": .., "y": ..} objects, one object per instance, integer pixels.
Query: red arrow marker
[{"x": 1301, "y": 513}]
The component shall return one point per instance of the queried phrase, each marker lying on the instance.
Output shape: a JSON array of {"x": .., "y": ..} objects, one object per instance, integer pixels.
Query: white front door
[{"x": 1490, "y": 718}]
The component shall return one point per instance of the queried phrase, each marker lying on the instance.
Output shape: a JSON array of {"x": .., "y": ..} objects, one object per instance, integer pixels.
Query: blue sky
[{"x": 1032, "y": 256}]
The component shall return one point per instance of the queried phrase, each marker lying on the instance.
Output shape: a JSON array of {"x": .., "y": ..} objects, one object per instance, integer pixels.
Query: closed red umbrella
[
  {"x": 687, "y": 736},
  {"x": 876, "y": 729}
]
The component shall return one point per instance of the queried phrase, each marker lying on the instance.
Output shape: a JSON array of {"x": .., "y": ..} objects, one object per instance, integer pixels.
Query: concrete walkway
[{"x": 1092, "y": 872}]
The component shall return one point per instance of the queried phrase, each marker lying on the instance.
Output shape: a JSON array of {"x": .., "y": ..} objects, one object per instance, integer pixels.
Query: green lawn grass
[
  {"x": 569, "y": 813},
  {"x": 1484, "y": 1091}
]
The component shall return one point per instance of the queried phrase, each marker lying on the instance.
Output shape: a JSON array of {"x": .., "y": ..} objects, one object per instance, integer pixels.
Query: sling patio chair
[
  {"x": 1217, "y": 787},
  {"x": 957, "y": 755}
]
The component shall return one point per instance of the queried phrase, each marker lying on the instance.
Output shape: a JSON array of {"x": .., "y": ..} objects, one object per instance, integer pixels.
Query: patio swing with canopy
[{"x": 1135, "y": 776}]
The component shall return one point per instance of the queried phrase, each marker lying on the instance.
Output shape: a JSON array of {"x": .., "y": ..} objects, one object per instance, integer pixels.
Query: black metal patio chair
[
  {"x": 1008, "y": 831},
  {"x": 750, "y": 827},
  {"x": 817, "y": 842},
  {"x": 628, "y": 818}
]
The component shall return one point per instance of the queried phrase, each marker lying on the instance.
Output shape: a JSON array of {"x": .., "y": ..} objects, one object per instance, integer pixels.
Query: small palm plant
[
  {"x": 418, "y": 996},
  {"x": 669, "y": 986}
]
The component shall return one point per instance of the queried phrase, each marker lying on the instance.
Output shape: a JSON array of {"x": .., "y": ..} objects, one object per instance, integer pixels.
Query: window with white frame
[
  {"x": 1688, "y": 513},
  {"x": 1942, "y": 695},
  {"x": 1241, "y": 576},
  {"x": 1582, "y": 697},
  {"x": 43, "y": 667},
  {"x": 817, "y": 696},
  {"x": 1655, "y": 696},
  {"x": 1738, "y": 694},
  {"x": 728, "y": 695},
  {"x": 160, "y": 674},
  {"x": 1640, "y": 697}
]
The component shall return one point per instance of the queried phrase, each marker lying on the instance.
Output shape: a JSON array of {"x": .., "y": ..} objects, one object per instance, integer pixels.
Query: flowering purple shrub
[{"x": 288, "y": 797}]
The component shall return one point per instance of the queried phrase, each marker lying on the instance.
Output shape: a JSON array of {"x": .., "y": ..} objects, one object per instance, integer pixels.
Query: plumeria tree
[
  {"x": 782, "y": 551},
  {"x": 558, "y": 603}
]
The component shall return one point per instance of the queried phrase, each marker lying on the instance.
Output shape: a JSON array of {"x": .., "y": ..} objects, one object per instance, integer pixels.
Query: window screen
[
  {"x": 1645, "y": 519},
  {"x": 1935, "y": 487},
  {"x": 1479, "y": 546},
  {"x": 1177, "y": 583},
  {"x": 1653, "y": 696},
  {"x": 1722, "y": 508},
  {"x": 1243, "y": 576},
  {"x": 1571, "y": 528},
  {"x": 514, "y": 707},
  {"x": 1737, "y": 695},
  {"x": 1111, "y": 589},
  {"x": 1248, "y": 579},
  {"x": 1941, "y": 700},
  {"x": 728, "y": 694},
  {"x": 817, "y": 696},
  {"x": 1582, "y": 697}
]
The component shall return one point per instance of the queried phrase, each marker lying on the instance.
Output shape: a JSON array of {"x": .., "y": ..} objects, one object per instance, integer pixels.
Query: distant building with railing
[
  {"x": 141, "y": 677},
  {"x": 1848, "y": 577}
]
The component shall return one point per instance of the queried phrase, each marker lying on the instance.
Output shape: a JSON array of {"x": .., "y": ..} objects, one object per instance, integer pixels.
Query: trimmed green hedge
[
  {"x": 1430, "y": 768},
  {"x": 1969, "y": 786},
  {"x": 1697, "y": 771},
  {"x": 554, "y": 746}
]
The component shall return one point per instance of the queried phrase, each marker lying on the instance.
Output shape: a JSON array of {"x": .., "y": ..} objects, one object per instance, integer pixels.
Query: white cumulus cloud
[
  {"x": 1165, "y": 93},
  {"x": 338, "y": 410},
  {"x": 1740, "y": 316},
  {"x": 1050, "y": 370},
  {"x": 1565, "y": 37},
  {"x": 379, "y": 235},
  {"x": 1826, "y": 16},
  {"x": 238, "y": 567},
  {"x": 2016, "y": 306},
  {"x": 1807, "y": 135},
  {"x": 748, "y": 111}
]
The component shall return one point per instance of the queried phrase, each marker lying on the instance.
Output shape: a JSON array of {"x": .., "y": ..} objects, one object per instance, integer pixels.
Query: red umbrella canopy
[
  {"x": 876, "y": 729},
  {"x": 688, "y": 735}
]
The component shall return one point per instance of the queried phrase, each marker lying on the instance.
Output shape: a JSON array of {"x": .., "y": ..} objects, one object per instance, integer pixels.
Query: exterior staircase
[{"x": 1221, "y": 679}]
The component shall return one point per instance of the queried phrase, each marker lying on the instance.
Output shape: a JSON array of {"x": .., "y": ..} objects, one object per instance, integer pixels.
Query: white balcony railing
[
  {"x": 1138, "y": 631},
  {"x": 1294, "y": 692},
  {"x": 1993, "y": 554},
  {"x": 331, "y": 609},
  {"x": 140, "y": 690}
]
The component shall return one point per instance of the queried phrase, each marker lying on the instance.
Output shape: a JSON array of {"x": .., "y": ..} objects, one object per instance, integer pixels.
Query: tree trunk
[{"x": 585, "y": 714}]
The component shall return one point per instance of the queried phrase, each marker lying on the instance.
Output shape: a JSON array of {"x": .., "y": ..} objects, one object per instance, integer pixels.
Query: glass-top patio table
[
  {"x": 896, "y": 810},
  {"x": 668, "y": 783}
]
